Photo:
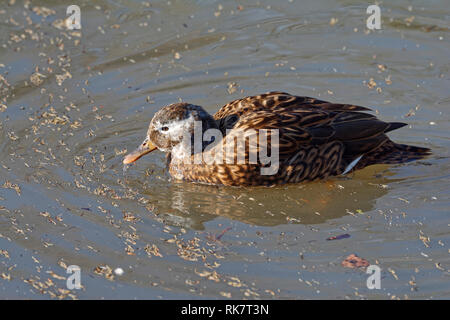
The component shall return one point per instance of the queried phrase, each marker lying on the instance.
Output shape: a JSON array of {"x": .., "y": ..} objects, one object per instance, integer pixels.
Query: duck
[{"x": 286, "y": 139}]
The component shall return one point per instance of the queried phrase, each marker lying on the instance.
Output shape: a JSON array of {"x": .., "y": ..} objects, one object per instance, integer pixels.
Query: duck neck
[{"x": 197, "y": 139}]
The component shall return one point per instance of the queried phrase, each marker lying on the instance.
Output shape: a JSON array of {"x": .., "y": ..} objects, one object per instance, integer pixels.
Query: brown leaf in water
[{"x": 353, "y": 261}]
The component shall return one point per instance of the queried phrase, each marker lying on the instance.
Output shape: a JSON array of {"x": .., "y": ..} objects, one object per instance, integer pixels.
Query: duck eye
[{"x": 165, "y": 128}]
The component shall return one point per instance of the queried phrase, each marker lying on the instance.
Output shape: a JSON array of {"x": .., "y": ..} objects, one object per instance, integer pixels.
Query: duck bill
[{"x": 144, "y": 148}]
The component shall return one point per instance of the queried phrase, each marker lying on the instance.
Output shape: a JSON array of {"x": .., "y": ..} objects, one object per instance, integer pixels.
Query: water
[{"x": 65, "y": 199}]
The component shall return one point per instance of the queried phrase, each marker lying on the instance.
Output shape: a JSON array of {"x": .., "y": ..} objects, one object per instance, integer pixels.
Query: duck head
[{"x": 169, "y": 128}]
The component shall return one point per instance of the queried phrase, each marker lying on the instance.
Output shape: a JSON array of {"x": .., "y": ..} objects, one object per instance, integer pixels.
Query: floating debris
[
  {"x": 4, "y": 253},
  {"x": 353, "y": 261},
  {"x": 339, "y": 237},
  {"x": 43, "y": 11},
  {"x": 232, "y": 87},
  {"x": 392, "y": 271},
  {"x": 214, "y": 276},
  {"x": 219, "y": 236},
  {"x": 104, "y": 270},
  {"x": 153, "y": 250},
  {"x": 9, "y": 185},
  {"x": 5, "y": 276},
  {"x": 128, "y": 216},
  {"x": 61, "y": 77},
  {"x": 371, "y": 84},
  {"x": 118, "y": 271},
  {"x": 37, "y": 78}
]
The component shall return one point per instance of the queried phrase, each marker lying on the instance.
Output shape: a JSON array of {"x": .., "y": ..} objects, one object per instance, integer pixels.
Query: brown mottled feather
[{"x": 317, "y": 139}]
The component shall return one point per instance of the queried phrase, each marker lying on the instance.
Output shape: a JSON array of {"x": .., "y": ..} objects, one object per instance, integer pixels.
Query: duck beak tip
[
  {"x": 138, "y": 153},
  {"x": 128, "y": 159}
]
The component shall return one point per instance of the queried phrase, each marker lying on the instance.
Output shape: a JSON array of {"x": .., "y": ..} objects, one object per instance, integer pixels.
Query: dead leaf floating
[
  {"x": 339, "y": 237},
  {"x": 353, "y": 261}
]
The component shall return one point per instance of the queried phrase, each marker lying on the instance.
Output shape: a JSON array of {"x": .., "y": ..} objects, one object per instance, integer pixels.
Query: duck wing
[
  {"x": 229, "y": 114},
  {"x": 307, "y": 125}
]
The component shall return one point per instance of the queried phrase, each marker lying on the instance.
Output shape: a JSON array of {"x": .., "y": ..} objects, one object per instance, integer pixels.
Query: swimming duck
[{"x": 312, "y": 139}]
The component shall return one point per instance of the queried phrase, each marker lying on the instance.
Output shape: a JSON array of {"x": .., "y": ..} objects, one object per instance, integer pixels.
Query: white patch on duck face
[{"x": 175, "y": 129}]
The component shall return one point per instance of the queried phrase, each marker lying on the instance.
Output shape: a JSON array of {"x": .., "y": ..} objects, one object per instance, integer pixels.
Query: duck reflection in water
[{"x": 191, "y": 205}]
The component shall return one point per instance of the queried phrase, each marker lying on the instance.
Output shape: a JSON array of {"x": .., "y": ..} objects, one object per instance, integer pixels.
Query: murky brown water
[{"x": 72, "y": 103}]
